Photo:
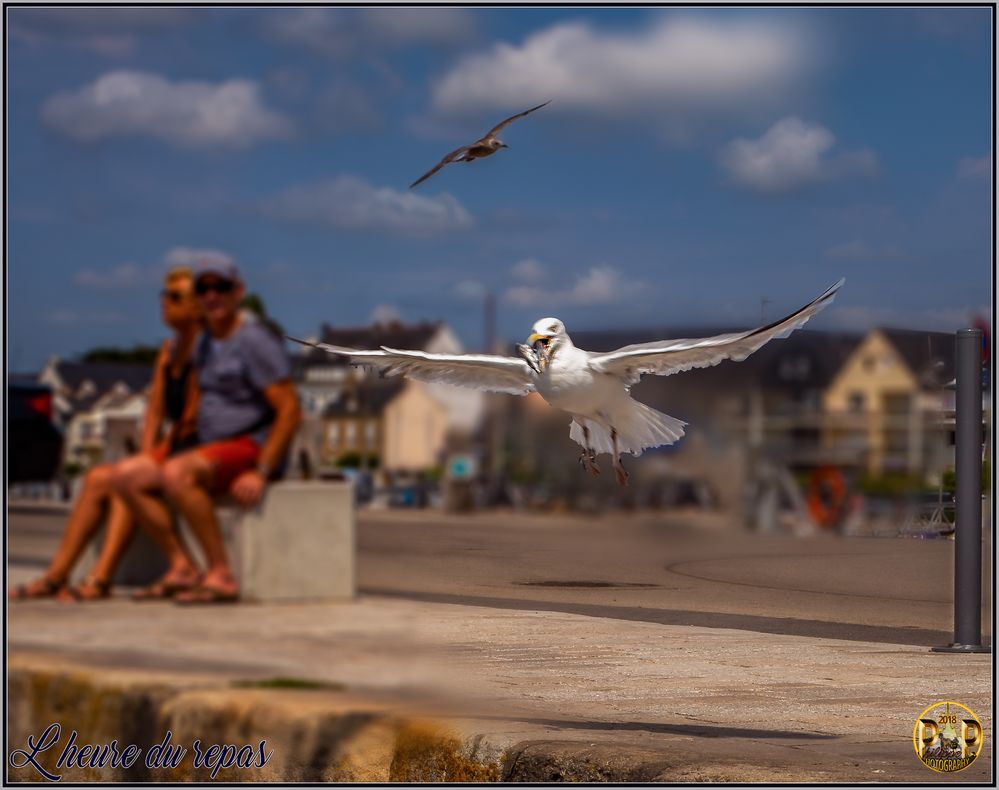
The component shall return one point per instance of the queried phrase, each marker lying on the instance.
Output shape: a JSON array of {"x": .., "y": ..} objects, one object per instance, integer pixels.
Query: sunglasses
[
  {"x": 219, "y": 286},
  {"x": 174, "y": 297}
]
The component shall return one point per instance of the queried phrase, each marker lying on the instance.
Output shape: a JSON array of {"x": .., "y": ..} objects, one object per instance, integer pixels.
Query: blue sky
[{"x": 691, "y": 164}]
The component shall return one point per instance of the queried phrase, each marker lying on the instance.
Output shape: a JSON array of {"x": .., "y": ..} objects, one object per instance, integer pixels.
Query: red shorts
[
  {"x": 229, "y": 458},
  {"x": 159, "y": 453}
]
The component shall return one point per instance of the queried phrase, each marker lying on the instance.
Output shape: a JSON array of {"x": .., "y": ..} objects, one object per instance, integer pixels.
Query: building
[
  {"x": 99, "y": 405},
  {"x": 321, "y": 377},
  {"x": 883, "y": 410},
  {"x": 354, "y": 416}
]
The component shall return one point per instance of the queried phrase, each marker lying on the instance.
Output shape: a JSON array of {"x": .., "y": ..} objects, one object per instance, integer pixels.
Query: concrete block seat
[{"x": 297, "y": 544}]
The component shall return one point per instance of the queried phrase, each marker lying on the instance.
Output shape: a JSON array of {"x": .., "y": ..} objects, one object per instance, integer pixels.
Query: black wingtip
[{"x": 300, "y": 341}]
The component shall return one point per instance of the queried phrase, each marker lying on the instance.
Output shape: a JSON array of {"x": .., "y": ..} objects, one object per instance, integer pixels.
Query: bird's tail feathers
[{"x": 639, "y": 427}]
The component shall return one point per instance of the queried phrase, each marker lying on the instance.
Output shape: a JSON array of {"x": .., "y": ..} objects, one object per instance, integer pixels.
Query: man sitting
[{"x": 247, "y": 416}]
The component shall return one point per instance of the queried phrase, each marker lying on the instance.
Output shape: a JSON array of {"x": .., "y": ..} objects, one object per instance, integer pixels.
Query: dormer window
[{"x": 86, "y": 389}]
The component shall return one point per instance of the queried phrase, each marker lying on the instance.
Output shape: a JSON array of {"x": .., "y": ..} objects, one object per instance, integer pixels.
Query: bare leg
[
  {"x": 119, "y": 533},
  {"x": 186, "y": 480},
  {"x": 83, "y": 522},
  {"x": 622, "y": 473},
  {"x": 588, "y": 459},
  {"x": 137, "y": 481}
]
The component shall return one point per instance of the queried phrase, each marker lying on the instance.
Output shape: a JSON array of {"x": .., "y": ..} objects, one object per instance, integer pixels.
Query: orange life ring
[{"x": 826, "y": 495}]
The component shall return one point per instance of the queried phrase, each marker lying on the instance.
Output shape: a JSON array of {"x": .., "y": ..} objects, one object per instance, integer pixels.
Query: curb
[
  {"x": 283, "y": 735},
  {"x": 298, "y": 735}
]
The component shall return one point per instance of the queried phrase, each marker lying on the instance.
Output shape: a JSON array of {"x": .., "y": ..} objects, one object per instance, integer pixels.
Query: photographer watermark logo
[{"x": 948, "y": 737}]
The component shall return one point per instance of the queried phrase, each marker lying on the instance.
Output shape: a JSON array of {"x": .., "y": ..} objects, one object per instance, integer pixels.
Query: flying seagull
[
  {"x": 592, "y": 387},
  {"x": 485, "y": 146}
]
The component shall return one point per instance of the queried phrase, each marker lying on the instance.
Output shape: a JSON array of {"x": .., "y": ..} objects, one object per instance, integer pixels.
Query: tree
[
  {"x": 255, "y": 304},
  {"x": 137, "y": 355}
]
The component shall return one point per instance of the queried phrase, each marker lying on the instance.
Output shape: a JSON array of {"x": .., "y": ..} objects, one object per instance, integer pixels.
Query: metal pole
[{"x": 968, "y": 497}]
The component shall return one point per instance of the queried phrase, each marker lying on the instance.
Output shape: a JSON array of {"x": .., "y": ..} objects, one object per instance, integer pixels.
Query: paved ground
[{"x": 718, "y": 655}]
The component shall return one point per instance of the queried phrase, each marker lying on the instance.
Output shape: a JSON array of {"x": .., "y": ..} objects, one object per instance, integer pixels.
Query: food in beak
[
  {"x": 542, "y": 348},
  {"x": 530, "y": 357}
]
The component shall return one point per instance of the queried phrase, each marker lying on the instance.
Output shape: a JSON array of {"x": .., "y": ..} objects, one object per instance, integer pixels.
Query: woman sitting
[{"x": 168, "y": 428}]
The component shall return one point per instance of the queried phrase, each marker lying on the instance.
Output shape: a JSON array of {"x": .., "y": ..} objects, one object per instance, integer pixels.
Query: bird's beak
[
  {"x": 543, "y": 348},
  {"x": 504, "y": 145}
]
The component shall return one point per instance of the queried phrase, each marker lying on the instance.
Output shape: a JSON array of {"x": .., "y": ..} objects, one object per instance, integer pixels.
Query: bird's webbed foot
[
  {"x": 621, "y": 472},
  {"x": 588, "y": 460}
]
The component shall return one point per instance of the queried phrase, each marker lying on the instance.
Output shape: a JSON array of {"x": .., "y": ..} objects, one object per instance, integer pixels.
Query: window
[
  {"x": 855, "y": 401},
  {"x": 794, "y": 368},
  {"x": 333, "y": 434},
  {"x": 897, "y": 403}
]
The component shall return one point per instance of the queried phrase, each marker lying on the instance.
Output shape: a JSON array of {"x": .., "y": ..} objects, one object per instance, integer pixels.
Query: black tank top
[{"x": 175, "y": 391}]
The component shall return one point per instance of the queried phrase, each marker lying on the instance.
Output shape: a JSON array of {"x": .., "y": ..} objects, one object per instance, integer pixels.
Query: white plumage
[{"x": 592, "y": 387}]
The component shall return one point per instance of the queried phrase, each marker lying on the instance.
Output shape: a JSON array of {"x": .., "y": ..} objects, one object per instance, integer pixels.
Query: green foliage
[
  {"x": 72, "y": 469},
  {"x": 890, "y": 485},
  {"x": 949, "y": 479},
  {"x": 255, "y": 304},
  {"x": 353, "y": 460},
  {"x": 137, "y": 355}
]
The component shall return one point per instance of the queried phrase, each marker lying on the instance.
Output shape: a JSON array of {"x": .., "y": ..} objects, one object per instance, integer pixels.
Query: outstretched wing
[
  {"x": 665, "y": 357},
  {"x": 502, "y": 124},
  {"x": 445, "y": 161},
  {"x": 477, "y": 371}
]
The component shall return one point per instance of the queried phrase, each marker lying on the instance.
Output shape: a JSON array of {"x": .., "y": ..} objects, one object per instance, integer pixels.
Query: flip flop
[
  {"x": 202, "y": 594},
  {"x": 48, "y": 589},
  {"x": 164, "y": 590},
  {"x": 75, "y": 592}
]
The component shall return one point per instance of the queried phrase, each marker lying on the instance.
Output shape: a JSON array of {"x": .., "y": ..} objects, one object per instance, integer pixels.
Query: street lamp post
[{"x": 968, "y": 497}]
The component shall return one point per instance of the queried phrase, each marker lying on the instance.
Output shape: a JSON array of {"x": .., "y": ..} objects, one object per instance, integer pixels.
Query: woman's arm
[
  {"x": 187, "y": 425},
  {"x": 152, "y": 421}
]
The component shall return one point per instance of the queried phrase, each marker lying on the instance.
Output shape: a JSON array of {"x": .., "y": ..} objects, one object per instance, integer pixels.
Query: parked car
[{"x": 34, "y": 442}]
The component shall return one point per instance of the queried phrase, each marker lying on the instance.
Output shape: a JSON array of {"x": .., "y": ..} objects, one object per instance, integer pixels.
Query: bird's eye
[{"x": 553, "y": 328}]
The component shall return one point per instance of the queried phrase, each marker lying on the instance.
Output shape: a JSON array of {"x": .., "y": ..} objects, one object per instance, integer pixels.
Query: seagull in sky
[
  {"x": 483, "y": 147},
  {"x": 593, "y": 388}
]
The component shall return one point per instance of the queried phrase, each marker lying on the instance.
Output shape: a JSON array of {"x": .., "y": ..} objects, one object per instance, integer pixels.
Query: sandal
[
  {"x": 43, "y": 587},
  {"x": 202, "y": 594},
  {"x": 90, "y": 589},
  {"x": 164, "y": 589}
]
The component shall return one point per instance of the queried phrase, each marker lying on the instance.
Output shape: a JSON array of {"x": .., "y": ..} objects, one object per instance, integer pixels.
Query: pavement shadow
[
  {"x": 785, "y": 626},
  {"x": 697, "y": 730}
]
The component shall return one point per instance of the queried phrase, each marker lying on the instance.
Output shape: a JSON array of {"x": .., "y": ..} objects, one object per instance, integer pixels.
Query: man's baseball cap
[{"x": 223, "y": 268}]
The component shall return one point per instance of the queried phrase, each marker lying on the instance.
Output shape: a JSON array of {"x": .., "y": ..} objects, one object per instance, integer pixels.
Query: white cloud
[
  {"x": 861, "y": 250},
  {"x": 600, "y": 285},
  {"x": 401, "y": 26},
  {"x": 125, "y": 276},
  {"x": 341, "y": 32},
  {"x": 74, "y": 317},
  {"x": 791, "y": 155},
  {"x": 529, "y": 270},
  {"x": 970, "y": 167},
  {"x": 112, "y": 32},
  {"x": 191, "y": 256},
  {"x": 385, "y": 314},
  {"x": 668, "y": 69},
  {"x": 191, "y": 114},
  {"x": 351, "y": 203},
  {"x": 131, "y": 275},
  {"x": 470, "y": 290}
]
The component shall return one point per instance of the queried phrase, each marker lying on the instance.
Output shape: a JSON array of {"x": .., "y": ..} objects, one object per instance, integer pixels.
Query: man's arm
[
  {"x": 249, "y": 487},
  {"x": 288, "y": 414}
]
